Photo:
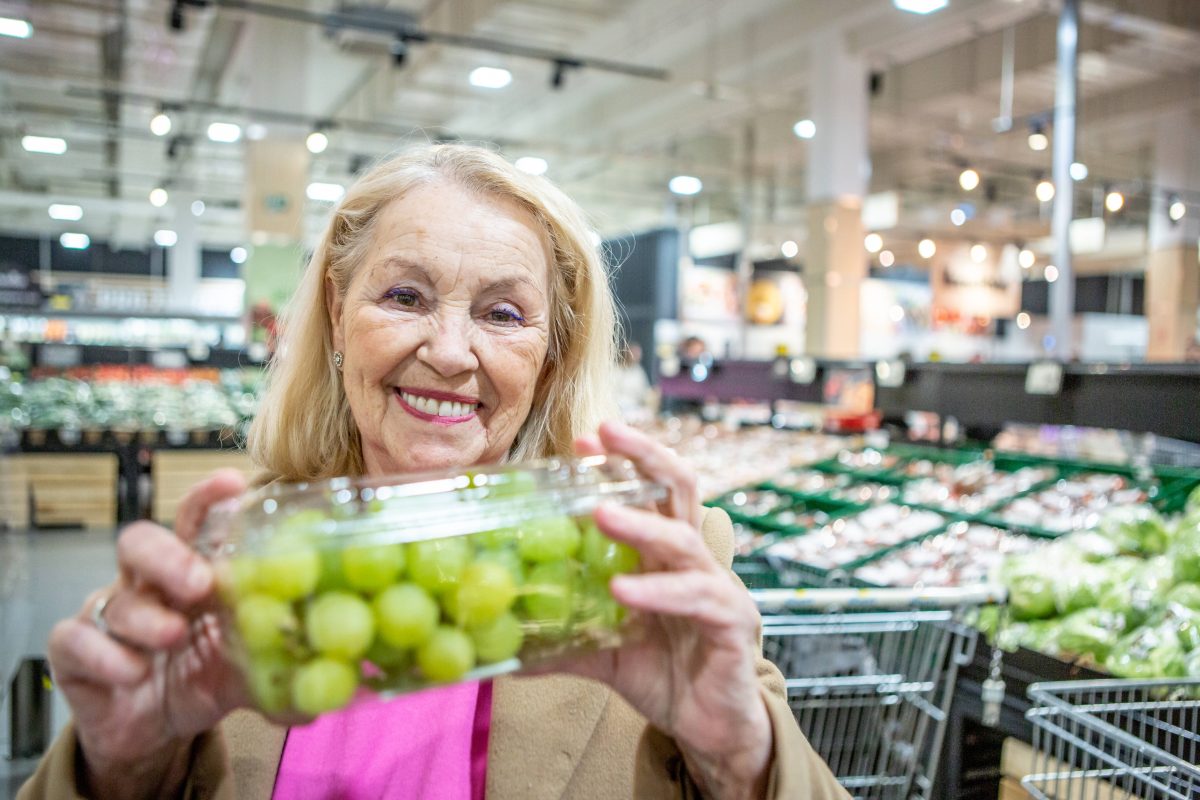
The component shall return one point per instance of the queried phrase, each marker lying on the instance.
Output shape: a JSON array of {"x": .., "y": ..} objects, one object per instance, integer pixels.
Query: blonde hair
[{"x": 304, "y": 429}]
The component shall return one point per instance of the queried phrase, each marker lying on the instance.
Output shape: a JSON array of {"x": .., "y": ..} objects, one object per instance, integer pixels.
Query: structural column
[
  {"x": 276, "y": 169},
  {"x": 1173, "y": 268},
  {"x": 838, "y": 170},
  {"x": 183, "y": 259}
]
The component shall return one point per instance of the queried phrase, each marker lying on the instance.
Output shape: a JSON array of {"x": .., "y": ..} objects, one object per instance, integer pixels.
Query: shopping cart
[
  {"x": 870, "y": 675},
  {"x": 1115, "y": 739}
]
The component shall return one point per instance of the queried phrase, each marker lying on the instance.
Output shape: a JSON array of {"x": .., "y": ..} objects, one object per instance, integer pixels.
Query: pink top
[{"x": 426, "y": 746}]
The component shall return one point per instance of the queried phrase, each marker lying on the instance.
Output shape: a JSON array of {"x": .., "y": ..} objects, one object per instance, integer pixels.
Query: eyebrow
[{"x": 505, "y": 282}]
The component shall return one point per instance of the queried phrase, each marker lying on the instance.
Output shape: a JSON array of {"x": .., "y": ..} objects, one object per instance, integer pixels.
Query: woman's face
[{"x": 444, "y": 329}]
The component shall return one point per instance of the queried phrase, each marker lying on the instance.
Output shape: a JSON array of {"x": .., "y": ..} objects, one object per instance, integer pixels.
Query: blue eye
[{"x": 403, "y": 297}]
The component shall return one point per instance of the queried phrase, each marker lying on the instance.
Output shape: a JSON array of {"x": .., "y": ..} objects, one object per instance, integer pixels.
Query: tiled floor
[{"x": 44, "y": 576}]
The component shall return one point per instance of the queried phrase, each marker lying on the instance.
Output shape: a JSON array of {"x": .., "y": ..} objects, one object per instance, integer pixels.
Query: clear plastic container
[{"x": 334, "y": 589}]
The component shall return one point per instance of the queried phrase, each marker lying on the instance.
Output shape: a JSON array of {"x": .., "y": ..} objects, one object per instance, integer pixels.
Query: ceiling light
[
  {"x": 160, "y": 124},
  {"x": 1044, "y": 191},
  {"x": 958, "y": 217},
  {"x": 685, "y": 185},
  {"x": 1024, "y": 320},
  {"x": 1050, "y": 273},
  {"x": 789, "y": 249},
  {"x": 198, "y": 208},
  {"x": 532, "y": 164},
  {"x": 805, "y": 129},
  {"x": 490, "y": 77},
  {"x": 979, "y": 253},
  {"x": 166, "y": 238},
  {"x": 67, "y": 211},
  {"x": 325, "y": 192},
  {"x": 873, "y": 242},
  {"x": 316, "y": 142},
  {"x": 256, "y": 132},
  {"x": 968, "y": 179},
  {"x": 926, "y": 248},
  {"x": 1114, "y": 201},
  {"x": 920, "y": 6},
  {"x": 1026, "y": 258},
  {"x": 886, "y": 258},
  {"x": 1038, "y": 140},
  {"x": 158, "y": 197},
  {"x": 226, "y": 132},
  {"x": 1177, "y": 211},
  {"x": 51, "y": 145},
  {"x": 1079, "y": 171},
  {"x": 238, "y": 255},
  {"x": 75, "y": 241},
  {"x": 17, "y": 28}
]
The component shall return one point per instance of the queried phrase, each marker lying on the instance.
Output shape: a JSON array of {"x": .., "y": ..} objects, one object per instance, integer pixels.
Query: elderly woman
[{"x": 453, "y": 314}]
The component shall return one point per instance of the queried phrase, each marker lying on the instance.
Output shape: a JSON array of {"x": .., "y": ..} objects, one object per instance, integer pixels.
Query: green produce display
[
  {"x": 1125, "y": 597},
  {"x": 353, "y": 586},
  {"x": 141, "y": 402}
]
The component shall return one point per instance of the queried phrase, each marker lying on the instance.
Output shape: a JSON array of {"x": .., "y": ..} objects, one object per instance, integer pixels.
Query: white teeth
[{"x": 444, "y": 408}]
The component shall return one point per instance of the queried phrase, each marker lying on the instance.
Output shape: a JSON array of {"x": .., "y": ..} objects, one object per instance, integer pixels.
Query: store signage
[
  {"x": 1044, "y": 378},
  {"x": 16, "y": 289},
  {"x": 890, "y": 373},
  {"x": 802, "y": 371}
]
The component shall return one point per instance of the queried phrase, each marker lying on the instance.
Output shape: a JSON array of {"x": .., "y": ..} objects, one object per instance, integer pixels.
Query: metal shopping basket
[
  {"x": 870, "y": 675},
  {"x": 1115, "y": 739}
]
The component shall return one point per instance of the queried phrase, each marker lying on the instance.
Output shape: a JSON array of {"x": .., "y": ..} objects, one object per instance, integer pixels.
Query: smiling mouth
[{"x": 437, "y": 409}]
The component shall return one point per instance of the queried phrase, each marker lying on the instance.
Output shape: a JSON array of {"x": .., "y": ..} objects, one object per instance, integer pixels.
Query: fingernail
[{"x": 199, "y": 577}]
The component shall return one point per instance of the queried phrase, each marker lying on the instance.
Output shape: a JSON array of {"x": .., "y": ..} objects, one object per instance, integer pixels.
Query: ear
[{"x": 333, "y": 306}]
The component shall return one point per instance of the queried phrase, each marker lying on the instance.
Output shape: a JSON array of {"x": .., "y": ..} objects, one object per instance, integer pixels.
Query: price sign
[{"x": 1044, "y": 378}]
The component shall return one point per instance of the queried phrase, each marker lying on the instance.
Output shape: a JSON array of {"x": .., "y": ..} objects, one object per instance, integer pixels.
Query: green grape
[
  {"x": 436, "y": 564},
  {"x": 511, "y": 483},
  {"x": 236, "y": 579},
  {"x": 339, "y": 624},
  {"x": 507, "y": 558},
  {"x": 264, "y": 622},
  {"x": 270, "y": 679},
  {"x": 388, "y": 658},
  {"x": 485, "y": 591},
  {"x": 405, "y": 614},
  {"x": 498, "y": 640},
  {"x": 597, "y": 606},
  {"x": 495, "y": 539},
  {"x": 331, "y": 572},
  {"x": 288, "y": 568},
  {"x": 447, "y": 656},
  {"x": 548, "y": 539},
  {"x": 604, "y": 557},
  {"x": 323, "y": 684},
  {"x": 548, "y": 594},
  {"x": 372, "y": 567}
]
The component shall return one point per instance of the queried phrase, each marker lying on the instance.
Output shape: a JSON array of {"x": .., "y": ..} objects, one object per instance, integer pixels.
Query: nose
[{"x": 448, "y": 346}]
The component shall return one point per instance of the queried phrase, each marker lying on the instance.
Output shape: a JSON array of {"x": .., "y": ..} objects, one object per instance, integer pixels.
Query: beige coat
[{"x": 551, "y": 737}]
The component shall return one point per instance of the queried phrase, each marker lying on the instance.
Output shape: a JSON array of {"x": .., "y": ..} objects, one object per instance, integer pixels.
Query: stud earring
[{"x": 337, "y": 359}]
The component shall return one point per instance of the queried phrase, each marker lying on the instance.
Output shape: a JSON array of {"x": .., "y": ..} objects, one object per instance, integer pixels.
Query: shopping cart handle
[{"x": 828, "y": 599}]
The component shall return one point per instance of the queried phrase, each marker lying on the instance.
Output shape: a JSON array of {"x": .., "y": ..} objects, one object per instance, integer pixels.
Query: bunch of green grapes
[{"x": 317, "y": 619}]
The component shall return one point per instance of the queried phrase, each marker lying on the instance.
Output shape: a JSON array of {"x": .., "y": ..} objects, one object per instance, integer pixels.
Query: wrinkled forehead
[{"x": 455, "y": 233}]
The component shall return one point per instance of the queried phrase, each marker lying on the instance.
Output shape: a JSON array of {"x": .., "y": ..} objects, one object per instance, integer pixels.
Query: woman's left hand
[{"x": 693, "y": 674}]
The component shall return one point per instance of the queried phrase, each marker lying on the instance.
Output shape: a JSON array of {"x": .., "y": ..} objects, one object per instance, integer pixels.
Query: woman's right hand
[{"x": 159, "y": 676}]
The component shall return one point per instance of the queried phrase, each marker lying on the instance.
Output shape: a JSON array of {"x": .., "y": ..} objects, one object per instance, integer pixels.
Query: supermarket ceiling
[{"x": 95, "y": 72}]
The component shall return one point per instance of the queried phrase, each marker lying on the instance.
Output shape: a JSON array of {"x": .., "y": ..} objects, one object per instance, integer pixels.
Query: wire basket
[
  {"x": 870, "y": 676},
  {"x": 1115, "y": 739}
]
